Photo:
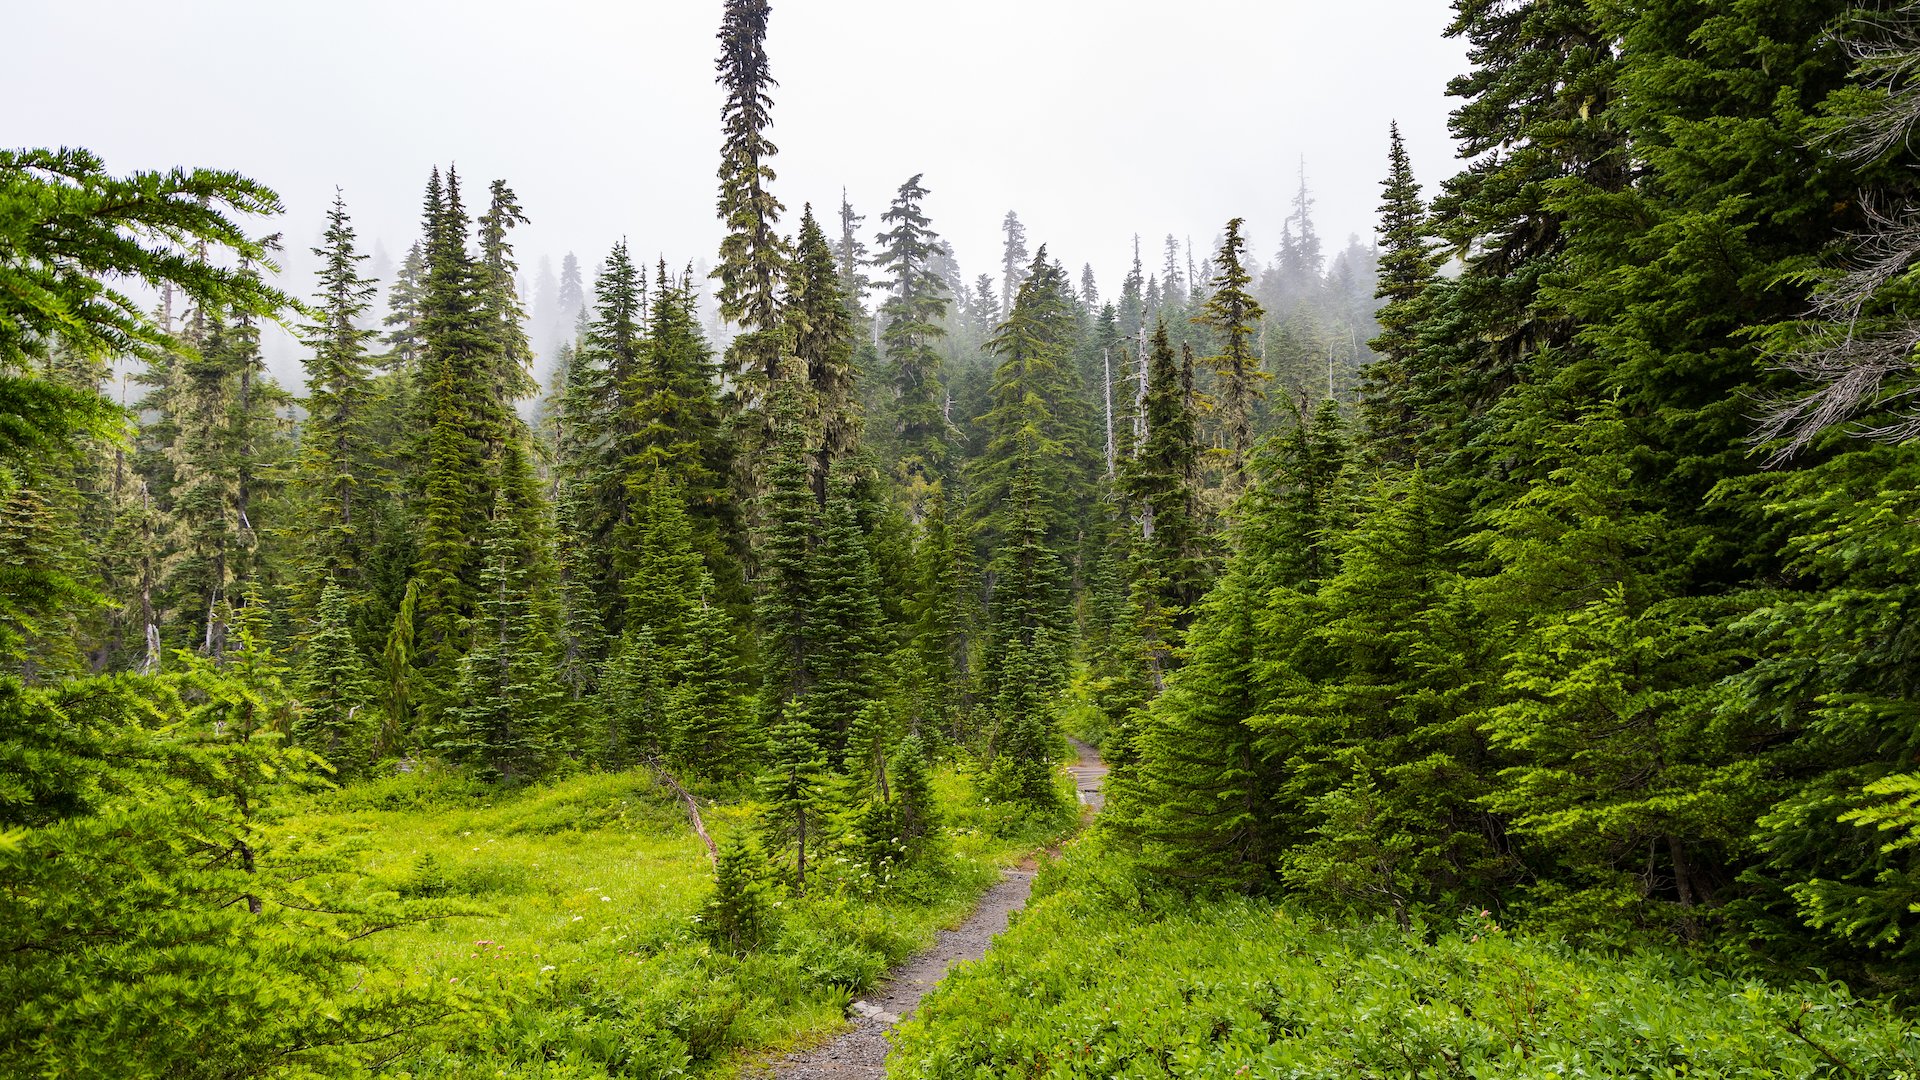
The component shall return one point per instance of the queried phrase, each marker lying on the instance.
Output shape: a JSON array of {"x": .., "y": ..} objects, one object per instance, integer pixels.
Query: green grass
[
  {"x": 1101, "y": 978},
  {"x": 583, "y": 960}
]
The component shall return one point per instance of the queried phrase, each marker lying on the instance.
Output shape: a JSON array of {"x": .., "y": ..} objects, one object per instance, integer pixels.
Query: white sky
[{"x": 1094, "y": 119}]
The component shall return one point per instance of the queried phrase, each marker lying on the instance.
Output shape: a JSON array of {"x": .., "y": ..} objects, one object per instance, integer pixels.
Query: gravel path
[{"x": 862, "y": 1052}]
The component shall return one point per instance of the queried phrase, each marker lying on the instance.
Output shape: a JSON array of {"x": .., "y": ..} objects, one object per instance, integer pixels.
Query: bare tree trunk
[
  {"x": 1106, "y": 395},
  {"x": 1140, "y": 397}
]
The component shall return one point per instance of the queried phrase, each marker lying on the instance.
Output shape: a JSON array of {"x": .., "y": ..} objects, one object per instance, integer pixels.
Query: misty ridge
[{"x": 735, "y": 539}]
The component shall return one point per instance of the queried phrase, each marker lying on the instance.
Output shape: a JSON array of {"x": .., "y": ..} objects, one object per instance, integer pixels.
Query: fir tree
[
  {"x": 335, "y": 461},
  {"x": 459, "y": 417},
  {"x": 631, "y": 701},
  {"x": 737, "y": 918},
  {"x": 337, "y": 717},
  {"x": 1038, "y": 423},
  {"x": 821, "y": 333},
  {"x": 1170, "y": 565},
  {"x": 1234, "y": 316},
  {"x": 911, "y": 315},
  {"x": 941, "y": 631},
  {"x": 1014, "y": 258},
  {"x": 507, "y": 703},
  {"x": 752, "y": 256},
  {"x": 704, "y": 712},
  {"x": 1406, "y": 269},
  {"x": 844, "y": 630}
]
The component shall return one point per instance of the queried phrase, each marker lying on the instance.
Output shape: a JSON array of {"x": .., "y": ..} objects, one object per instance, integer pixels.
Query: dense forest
[{"x": 1544, "y": 560}]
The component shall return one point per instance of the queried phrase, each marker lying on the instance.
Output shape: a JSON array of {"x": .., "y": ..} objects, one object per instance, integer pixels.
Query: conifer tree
[
  {"x": 1014, "y": 258},
  {"x": 458, "y": 417},
  {"x": 752, "y": 256},
  {"x": 406, "y": 298},
  {"x": 399, "y": 692},
  {"x": 704, "y": 712},
  {"x": 337, "y": 717},
  {"x": 911, "y": 315},
  {"x": 1406, "y": 269},
  {"x": 1234, "y": 316},
  {"x": 1203, "y": 807},
  {"x": 1026, "y": 647},
  {"x": 736, "y": 918},
  {"x": 335, "y": 461},
  {"x": 844, "y": 629},
  {"x": 507, "y": 703},
  {"x": 915, "y": 813},
  {"x": 794, "y": 793},
  {"x": 850, "y": 258},
  {"x": 1170, "y": 566},
  {"x": 784, "y": 606},
  {"x": 941, "y": 631},
  {"x": 1039, "y": 422},
  {"x": 821, "y": 333},
  {"x": 631, "y": 702},
  {"x": 513, "y": 355}
]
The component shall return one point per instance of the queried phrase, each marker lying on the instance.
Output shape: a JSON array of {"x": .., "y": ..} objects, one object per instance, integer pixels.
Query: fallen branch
[{"x": 693, "y": 808}]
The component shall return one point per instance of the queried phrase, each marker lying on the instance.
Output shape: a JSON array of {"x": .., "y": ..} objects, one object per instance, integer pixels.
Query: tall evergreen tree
[
  {"x": 821, "y": 333},
  {"x": 1014, "y": 258},
  {"x": 1039, "y": 422},
  {"x": 335, "y": 461},
  {"x": 752, "y": 256},
  {"x": 458, "y": 417},
  {"x": 911, "y": 315},
  {"x": 1234, "y": 316},
  {"x": 1161, "y": 483},
  {"x": 1406, "y": 269}
]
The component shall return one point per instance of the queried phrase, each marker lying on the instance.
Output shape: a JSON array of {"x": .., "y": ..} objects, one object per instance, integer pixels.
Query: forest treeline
[{"x": 1572, "y": 595}]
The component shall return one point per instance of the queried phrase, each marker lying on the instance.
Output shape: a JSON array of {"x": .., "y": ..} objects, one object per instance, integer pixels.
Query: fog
[{"x": 1093, "y": 120}]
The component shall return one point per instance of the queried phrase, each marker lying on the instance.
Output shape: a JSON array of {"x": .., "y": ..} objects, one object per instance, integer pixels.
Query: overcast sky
[{"x": 1094, "y": 119}]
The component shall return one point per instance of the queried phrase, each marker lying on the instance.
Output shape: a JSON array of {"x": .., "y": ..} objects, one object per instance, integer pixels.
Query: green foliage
[
  {"x": 1098, "y": 979},
  {"x": 737, "y": 917},
  {"x": 149, "y": 891},
  {"x": 71, "y": 227},
  {"x": 338, "y": 715}
]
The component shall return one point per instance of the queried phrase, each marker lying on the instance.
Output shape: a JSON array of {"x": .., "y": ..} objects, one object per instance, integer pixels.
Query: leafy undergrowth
[
  {"x": 586, "y": 961},
  {"x": 1101, "y": 979}
]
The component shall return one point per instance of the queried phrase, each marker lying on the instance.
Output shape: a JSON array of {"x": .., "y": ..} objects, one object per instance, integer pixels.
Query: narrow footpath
[{"x": 862, "y": 1052}]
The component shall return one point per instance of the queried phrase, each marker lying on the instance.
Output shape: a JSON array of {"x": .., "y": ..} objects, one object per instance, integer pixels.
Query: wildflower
[{"x": 549, "y": 967}]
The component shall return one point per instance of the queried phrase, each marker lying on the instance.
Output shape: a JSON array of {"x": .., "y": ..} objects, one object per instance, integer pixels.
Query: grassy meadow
[{"x": 573, "y": 948}]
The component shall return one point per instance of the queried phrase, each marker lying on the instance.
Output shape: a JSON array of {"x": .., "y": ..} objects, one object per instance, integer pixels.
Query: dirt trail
[
  {"x": 1089, "y": 776},
  {"x": 862, "y": 1052}
]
